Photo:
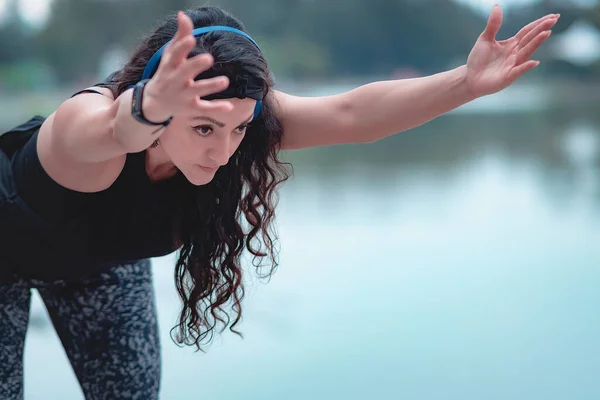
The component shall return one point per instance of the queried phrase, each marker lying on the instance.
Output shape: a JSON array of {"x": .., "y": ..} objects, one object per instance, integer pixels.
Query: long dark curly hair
[{"x": 217, "y": 222}]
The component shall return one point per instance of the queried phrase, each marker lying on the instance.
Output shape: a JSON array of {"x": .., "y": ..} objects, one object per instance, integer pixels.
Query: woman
[{"x": 179, "y": 151}]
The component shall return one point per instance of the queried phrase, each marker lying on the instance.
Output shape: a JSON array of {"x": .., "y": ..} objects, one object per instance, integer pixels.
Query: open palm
[{"x": 494, "y": 65}]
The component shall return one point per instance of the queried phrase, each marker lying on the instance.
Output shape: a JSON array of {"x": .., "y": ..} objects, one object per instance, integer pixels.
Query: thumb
[{"x": 493, "y": 25}]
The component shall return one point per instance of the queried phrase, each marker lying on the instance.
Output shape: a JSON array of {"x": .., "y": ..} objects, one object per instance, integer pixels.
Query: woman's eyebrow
[{"x": 211, "y": 120}]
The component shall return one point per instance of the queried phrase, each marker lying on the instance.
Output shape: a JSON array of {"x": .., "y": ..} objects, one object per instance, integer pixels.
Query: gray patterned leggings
[{"x": 106, "y": 323}]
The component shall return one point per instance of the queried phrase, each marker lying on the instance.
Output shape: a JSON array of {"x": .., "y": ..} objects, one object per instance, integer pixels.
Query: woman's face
[{"x": 198, "y": 146}]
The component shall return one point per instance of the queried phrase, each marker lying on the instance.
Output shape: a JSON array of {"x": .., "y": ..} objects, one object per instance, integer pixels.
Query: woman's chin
[{"x": 199, "y": 176}]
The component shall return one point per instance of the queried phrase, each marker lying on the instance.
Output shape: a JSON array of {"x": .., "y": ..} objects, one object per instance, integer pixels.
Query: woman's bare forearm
[
  {"x": 130, "y": 133},
  {"x": 91, "y": 128},
  {"x": 381, "y": 109},
  {"x": 370, "y": 112}
]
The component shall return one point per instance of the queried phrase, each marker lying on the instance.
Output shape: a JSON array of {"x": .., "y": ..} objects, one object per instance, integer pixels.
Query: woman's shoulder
[{"x": 73, "y": 141}]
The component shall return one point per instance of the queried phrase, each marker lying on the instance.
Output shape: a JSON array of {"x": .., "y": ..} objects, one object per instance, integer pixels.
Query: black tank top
[{"x": 50, "y": 232}]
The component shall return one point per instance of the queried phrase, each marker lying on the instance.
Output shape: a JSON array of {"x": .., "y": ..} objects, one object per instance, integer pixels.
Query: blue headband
[{"x": 155, "y": 59}]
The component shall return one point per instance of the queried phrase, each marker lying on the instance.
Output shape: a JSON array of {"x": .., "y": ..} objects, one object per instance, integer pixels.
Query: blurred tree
[
  {"x": 301, "y": 38},
  {"x": 305, "y": 38},
  {"x": 15, "y": 44}
]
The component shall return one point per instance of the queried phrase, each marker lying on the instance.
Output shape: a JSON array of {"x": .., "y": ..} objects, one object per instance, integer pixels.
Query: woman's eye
[
  {"x": 242, "y": 129},
  {"x": 203, "y": 130}
]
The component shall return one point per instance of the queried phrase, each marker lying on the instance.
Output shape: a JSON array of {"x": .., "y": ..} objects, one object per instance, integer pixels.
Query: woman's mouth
[{"x": 208, "y": 169}]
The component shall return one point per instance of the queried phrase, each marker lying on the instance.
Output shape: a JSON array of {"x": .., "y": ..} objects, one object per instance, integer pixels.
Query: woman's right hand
[{"x": 172, "y": 91}]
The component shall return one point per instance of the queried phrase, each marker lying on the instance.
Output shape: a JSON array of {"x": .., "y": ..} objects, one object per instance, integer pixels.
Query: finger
[
  {"x": 183, "y": 41},
  {"x": 520, "y": 70},
  {"x": 528, "y": 28},
  {"x": 214, "y": 105},
  {"x": 526, "y": 52},
  {"x": 196, "y": 65},
  {"x": 205, "y": 87},
  {"x": 544, "y": 26},
  {"x": 185, "y": 26},
  {"x": 493, "y": 25},
  {"x": 178, "y": 51}
]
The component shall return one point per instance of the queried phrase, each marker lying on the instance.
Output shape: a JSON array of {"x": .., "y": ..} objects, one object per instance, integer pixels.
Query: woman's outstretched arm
[{"x": 380, "y": 109}]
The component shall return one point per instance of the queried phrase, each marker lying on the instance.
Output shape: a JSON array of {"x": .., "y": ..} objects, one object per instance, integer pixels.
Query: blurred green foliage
[{"x": 303, "y": 39}]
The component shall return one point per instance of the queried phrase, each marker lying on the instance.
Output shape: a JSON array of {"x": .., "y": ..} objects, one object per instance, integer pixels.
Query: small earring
[{"x": 154, "y": 144}]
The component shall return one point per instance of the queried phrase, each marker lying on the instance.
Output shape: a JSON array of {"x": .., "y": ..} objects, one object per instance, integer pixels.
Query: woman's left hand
[{"x": 494, "y": 65}]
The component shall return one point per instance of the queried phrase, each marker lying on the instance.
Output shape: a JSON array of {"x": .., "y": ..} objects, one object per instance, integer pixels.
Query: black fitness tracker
[{"x": 136, "y": 105}]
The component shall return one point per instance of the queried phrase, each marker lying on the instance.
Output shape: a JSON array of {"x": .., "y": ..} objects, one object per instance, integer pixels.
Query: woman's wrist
[{"x": 152, "y": 107}]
